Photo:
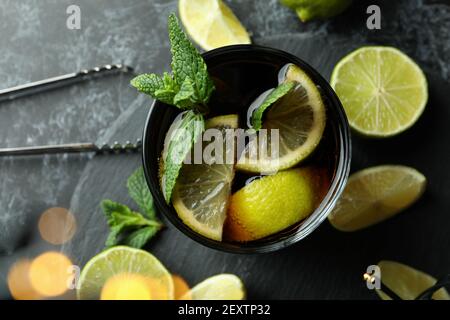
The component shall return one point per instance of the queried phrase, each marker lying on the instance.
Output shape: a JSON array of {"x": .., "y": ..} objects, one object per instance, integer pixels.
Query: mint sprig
[
  {"x": 187, "y": 62},
  {"x": 184, "y": 134},
  {"x": 274, "y": 96},
  {"x": 190, "y": 86},
  {"x": 138, "y": 191},
  {"x": 130, "y": 227}
]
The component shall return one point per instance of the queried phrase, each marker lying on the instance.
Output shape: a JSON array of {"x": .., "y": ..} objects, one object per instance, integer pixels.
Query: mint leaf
[
  {"x": 188, "y": 63},
  {"x": 139, "y": 192},
  {"x": 118, "y": 214},
  {"x": 163, "y": 89},
  {"x": 140, "y": 237},
  {"x": 183, "y": 134},
  {"x": 273, "y": 97},
  {"x": 148, "y": 83},
  {"x": 169, "y": 91},
  {"x": 190, "y": 87},
  {"x": 122, "y": 219},
  {"x": 112, "y": 239},
  {"x": 185, "y": 98}
]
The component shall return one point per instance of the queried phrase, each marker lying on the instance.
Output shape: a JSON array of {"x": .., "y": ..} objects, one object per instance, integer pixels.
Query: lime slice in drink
[
  {"x": 406, "y": 282},
  {"x": 124, "y": 273},
  {"x": 211, "y": 23},
  {"x": 383, "y": 91},
  {"x": 219, "y": 287},
  {"x": 202, "y": 191},
  {"x": 299, "y": 117},
  {"x": 376, "y": 194}
]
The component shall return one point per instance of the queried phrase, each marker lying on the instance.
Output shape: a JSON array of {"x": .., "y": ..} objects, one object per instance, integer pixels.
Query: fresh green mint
[
  {"x": 184, "y": 134},
  {"x": 187, "y": 63},
  {"x": 129, "y": 227},
  {"x": 190, "y": 86},
  {"x": 273, "y": 97},
  {"x": 138, "y": 191}
]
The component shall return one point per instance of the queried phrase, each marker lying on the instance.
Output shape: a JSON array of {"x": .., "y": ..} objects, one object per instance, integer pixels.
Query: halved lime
[
  {"x": 406, "y": 282},
  {"x": 299, "y": 117},
  {"x": 376, "y": 194},
  {"x": 211, "y": 23},
  {"x": 202, "y": 192},
  {"x": 219, "y": 287},
  {"x": 383, "y": 91},
  {"x": 125, "y": 273}
]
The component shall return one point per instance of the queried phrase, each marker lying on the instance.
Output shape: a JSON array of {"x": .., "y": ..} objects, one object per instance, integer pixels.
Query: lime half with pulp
[
  {"x": 383, "y": 91},
  {"x": 124, "y": 273}
]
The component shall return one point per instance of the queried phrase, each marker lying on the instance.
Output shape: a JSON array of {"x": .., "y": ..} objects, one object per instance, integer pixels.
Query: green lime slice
[
  {"x": 300, "y": 119},
  {"x": 383, "y": 91},
  {"x": 406, "y": 282},
  {"x": 202, "y": 191},
  {"x": 375, "y": 194},
  {"x": 212, "y": 24},
  {"x": 131, "y": 268},
  {"x": 219, "y": 287}
]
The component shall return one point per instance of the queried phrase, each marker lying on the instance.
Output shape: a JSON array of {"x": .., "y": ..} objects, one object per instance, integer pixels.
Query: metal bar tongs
[{"x": 58, "y": 82}]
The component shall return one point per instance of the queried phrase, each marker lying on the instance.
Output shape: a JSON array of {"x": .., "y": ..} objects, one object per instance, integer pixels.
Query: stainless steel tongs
[{"x": 58, "y": 82}]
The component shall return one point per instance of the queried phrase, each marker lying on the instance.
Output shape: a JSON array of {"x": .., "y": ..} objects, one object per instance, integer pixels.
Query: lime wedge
[
  {"x": 383, "y": 91},
  {"x": 211, "y": 23},
  {"x": 219, "y": 287},
  {"x": 299, "y": 117},
  {"x": 272, "y": 203},
  {"x": 125, "y": 273},
  {"x": 376, "y": 194},
  {"x": 202, "y": 191},
  {"x": 406, "y": 282}
]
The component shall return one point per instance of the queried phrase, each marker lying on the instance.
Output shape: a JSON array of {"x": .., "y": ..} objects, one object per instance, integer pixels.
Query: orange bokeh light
[
  {"x": 50, "y": 274},
  {"x": 57, "y": 225},
  {"x": 126, "y": 287},
  {"x": 19, "y": 283},
  {"x": 133, "y": 286},
  {"x": 180, "y": 286}
]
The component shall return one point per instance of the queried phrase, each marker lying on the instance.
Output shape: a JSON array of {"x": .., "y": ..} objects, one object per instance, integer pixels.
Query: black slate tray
[{"x": 328, "y": 264}]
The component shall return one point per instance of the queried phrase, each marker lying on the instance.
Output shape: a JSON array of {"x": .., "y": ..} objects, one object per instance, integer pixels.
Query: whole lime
[{"x": 317, "y": 9}]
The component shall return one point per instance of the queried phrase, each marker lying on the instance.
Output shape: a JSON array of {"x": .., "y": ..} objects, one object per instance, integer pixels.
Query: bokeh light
[
  {"x": 126, "y": 287},
  {"x": 180, "y": 286},
  {"x": 50, "y": 274},
  {"x": 158, "y": 288},
  {"x": 57, "y": 225},
  {"x": 132, "y": 286},
  {"x": 19, "y": 283}
]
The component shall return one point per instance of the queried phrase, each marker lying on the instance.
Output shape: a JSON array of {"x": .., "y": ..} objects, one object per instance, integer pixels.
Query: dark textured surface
[{"x": 328, "y": 264}]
